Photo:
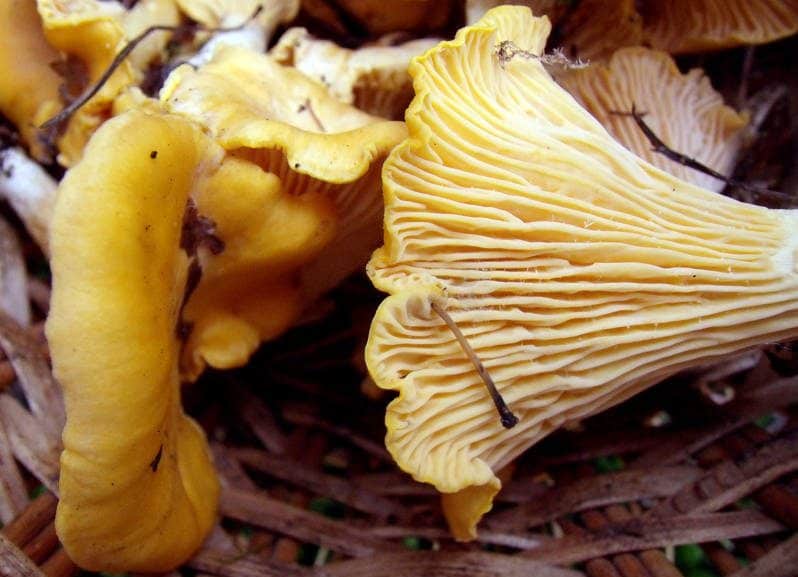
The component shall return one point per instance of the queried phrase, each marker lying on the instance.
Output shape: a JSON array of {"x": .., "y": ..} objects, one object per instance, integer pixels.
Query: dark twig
[
  {"x": 56, "y": 121},
  {"x": 508, "y": 419},
  {"x": 658, "y": 146}
]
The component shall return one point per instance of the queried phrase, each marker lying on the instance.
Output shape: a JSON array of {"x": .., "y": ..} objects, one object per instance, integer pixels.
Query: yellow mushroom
[
  {"x": 680, "y": 26},
  {"x": 89, "y": 34},
  {"x": 372, "y": 78},
  {"x": 589, "y": 30},
  {"x": 28, "y": 85},
  {"x": 137, "y": 487},
  {"x": 682, "y": 109},
  {"x": 307, "y": 206},
  {"x": 577, "y": 272},
  {"x": 236, "y": 16}
]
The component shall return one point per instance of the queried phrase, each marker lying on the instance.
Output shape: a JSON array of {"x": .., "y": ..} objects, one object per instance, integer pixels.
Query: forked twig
[
  {"x": 508, "y": 419},
  {"x": 658, "y": 146},
  {"x": 76, "y": 104}
]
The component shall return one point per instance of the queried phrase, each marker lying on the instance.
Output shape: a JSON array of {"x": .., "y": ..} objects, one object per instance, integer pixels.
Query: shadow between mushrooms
[{"x": 579, "y": 273}]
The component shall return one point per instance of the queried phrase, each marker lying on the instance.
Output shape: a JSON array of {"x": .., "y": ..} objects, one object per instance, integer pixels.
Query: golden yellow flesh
[
  {"x": 28, "y": 86},
  {"x": 138, "y": 490},
  {"x": 579, "y": 273},
  {"x": 90, "y": 33},
  {"x": 297, "y": 202}
]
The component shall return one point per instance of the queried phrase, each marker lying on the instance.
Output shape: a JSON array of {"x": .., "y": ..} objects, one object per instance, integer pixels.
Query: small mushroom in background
[
  {"x": 244, "y": 23},
  {"x": 137, "y": 486},
  {"x": 682, "y": 109},
  {"x": 681, "y": 26},
  {"x": 526, "y": 248},
  {"x": 588, "y": 31},
  {"x": 372, "y": 78},
  {"x": 299, "y": 207}
]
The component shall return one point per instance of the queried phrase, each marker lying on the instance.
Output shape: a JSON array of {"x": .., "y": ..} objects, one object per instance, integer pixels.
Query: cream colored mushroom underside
[
  {"x": 679, "y": 26},
  {"x": 682, "y": 109},
  {"x": 578, "y": 272}
]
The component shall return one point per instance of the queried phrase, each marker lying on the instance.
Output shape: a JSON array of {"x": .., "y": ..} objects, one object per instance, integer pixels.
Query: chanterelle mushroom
[
  {"x": 679, "y": 26},
  {"x": 138, "y": 490},
  {"x": 90, "y": 33},
  {"x": 373, "y": 78},
  {"x": 578, "y": 273},
  {"x": 682, "y": 109},
  {"x": 28, "y": 86},
  {"x": 299, "y": 206}
]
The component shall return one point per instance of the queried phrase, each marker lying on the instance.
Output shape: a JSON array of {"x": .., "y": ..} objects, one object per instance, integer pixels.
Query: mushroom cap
[
  {"x": 28, "y": 85},
  {"x": 590, "y": 30},
  {"x": 681, "y": 26},
  {"x": 137, "y": 486},
  {"x": 682, "y": 109},
  {"x": 91, "y": 33},
  {"x": 372, "y": 78},
  {"x": 579, "y": 273},
  {"x": 216, "y": 13},
  {"x": 310, "y": 208}
]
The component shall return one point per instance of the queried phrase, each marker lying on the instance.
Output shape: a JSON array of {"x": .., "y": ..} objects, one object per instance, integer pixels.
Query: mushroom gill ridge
[{"x": 579, "y": 273}]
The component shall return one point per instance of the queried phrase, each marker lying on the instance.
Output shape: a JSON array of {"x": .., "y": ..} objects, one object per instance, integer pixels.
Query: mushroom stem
[{"x": 508, "y": 419}]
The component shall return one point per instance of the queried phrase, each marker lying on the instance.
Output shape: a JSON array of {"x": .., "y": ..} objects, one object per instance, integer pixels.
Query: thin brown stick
[
  {"x": 33, "y": 519},
  {"x": 643, "y": 534},
  {"x": 76, "y": 104},
  {"x": 225, "y": 565},
  {"x": 781, "y": 561},
  {"x": 596, "y": 491},
  {"x": 13, "y": 496},
  {"x": 508, "y": 419},
  {"x": 463, "y": 564},
  {"x": 33, "y": 371},
  {"x": 658, "y": 146},
  {"x": 261, "y": 510},
  {"x": 346, "y": 491},
  {"x": 13, "y": 562}
]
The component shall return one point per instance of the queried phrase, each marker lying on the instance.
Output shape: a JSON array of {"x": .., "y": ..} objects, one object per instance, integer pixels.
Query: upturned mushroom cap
[
  {"x": 590, "y": 30},
  {"x": 309, "y": 205},
  {"x": 28, "y": 85},
  {"x": 681, "y": 26},
  {"x": 90, "y": 33},
  {"x": 579, "y": 273},
  {"x": 373, "y": 78},
  {"x": 138, "y": 491},
  {"x": 682, "y": 109}
]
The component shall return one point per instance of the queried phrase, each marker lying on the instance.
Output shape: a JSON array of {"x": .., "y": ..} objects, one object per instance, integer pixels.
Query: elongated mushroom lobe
[
  {"x": 579, "y": 273},
  {"x": 138, "y": 490}
]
